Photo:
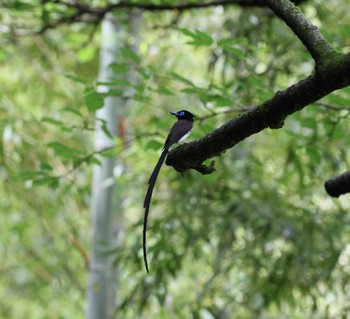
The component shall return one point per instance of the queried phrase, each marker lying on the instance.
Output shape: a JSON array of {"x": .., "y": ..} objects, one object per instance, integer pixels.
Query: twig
[{"x": 333, "y": 107}]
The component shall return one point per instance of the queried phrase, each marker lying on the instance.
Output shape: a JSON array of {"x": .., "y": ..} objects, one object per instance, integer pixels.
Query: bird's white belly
[{"x": 185, "y": 136}]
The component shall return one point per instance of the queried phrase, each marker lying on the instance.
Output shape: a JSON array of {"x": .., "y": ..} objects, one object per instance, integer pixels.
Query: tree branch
[
  {"x": 86, "y": 13},
  {"x": 338, "y": 185},
  {"x": 308, "y": 33},
  {"x": 187, "y": 6},
  {"x": 333, "y": 75},
  {"x": 270, "y": 114},
  {"x": 162, "y": 7}
]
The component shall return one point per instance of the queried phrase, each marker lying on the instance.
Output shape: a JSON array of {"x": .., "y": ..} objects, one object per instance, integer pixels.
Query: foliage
[{"x": 257, "y": 238}]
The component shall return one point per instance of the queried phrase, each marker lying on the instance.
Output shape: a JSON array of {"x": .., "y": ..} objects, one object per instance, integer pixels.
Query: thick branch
[
  {"x": 338, "y": 185},
  {"x": 309, "y": 34},
  {"x": 190, "y": 5},
  {"x": 86, "y": 13},
  {"x": 270, "y": 114},
  {"x": 332, "y": 73},
  {"x": 149, "y": 6}
]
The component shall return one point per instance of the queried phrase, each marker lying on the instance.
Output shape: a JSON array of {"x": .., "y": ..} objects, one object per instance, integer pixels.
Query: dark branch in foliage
[
  {"x": 73, "y": 11},
  {"x": 332, "y": 73},
  {"x": 185, "y": 6},
  {"x": 338, "y": 185},
  {"x": 90, "y": 14}
]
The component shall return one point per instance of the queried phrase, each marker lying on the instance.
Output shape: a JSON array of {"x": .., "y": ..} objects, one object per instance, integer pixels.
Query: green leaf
[
  {"x": 126, "y": 52},
  {"x": 344, "y": 30},
  {"x": 154, "y": 145},
  {"x": 75, "y": 78},
  {"x": 237, "y": 52},
  {"x": 309, "y": 122},
  {"x": 110, "y": 152},
  {"x": 119, "y": 67},
  {"x": 164, "y": 90},
  {"x": 114, "y": 82},
  {"x": 115, "y": 92},
  {"x": 339, "y": 134},
  {"x": 51, "y": 120},
  {"x": 72, "y": 110},
  {"x": 29, "y": 175},
  {"x": 337, "y": 99},
  {"x": 19, "y": 5},
  {"x": 106, "y": 130},
  {"x": 53, "y": 182},
  {"x": 86, "y": 54},
  {"x": 94, "y": 101},
  {"x": 3, "y": 56},
  {"x": 197, "y": 37},
  {"x": 226, "y": 42},
  {"x": 187, "y": 32},
  {"x": 45, "y": 167},
  {"x": 232, "y": 46},
  {"x": 145, "y": 72},
  {"x": 314, "y": 155},
  {"x": 63, "y": 150},
  {"x": 222, "y": 101},
  {"x": 180, "y": 78},
  {"x": 190, "y": 90},
  {"x": 93, "y": 160}
]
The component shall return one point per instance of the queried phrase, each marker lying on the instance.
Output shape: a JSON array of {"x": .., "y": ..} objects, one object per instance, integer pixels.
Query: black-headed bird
[{"x": 180, "y": 130}]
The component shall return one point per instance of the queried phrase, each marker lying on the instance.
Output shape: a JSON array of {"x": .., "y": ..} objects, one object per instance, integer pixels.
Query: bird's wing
[{"x": 177, "y": 132}]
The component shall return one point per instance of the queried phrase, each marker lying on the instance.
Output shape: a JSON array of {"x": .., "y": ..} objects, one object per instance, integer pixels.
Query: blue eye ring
[{"x": 182, "y": 113}]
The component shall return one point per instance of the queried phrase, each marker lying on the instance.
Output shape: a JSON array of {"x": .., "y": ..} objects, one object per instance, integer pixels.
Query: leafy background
[{"x": 259, "y": 238}]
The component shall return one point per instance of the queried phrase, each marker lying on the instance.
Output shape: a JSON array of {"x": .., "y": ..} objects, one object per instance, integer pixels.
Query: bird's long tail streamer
[{"x": 146, "y": 204}]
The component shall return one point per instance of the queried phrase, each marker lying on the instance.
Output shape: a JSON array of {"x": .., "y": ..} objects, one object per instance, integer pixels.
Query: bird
[{"x": 180, "y": 131}]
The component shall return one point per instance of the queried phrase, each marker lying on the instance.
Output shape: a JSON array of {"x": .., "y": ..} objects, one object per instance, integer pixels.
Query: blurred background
[{"x": 258, "y": 238}]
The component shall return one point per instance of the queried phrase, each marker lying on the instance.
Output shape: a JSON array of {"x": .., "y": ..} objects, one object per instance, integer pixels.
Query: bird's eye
[{"x": 182, "y": 113}]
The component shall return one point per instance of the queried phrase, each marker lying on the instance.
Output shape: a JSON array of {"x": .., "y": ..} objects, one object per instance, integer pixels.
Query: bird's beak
[{"x": 173, "y": 113}]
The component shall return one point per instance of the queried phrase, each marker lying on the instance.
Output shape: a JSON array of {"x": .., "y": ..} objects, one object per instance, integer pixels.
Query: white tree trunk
[{"x": 106, "y": 219}]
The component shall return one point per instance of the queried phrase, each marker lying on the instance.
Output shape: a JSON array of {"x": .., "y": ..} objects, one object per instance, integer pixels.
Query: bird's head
[{"x": 184, "y": 115}]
